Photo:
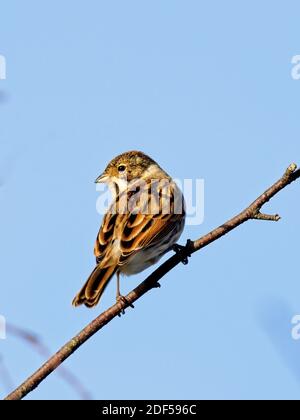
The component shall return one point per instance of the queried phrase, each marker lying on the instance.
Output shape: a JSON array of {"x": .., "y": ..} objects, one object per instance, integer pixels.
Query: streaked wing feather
[{"x": 135, "y": 230}]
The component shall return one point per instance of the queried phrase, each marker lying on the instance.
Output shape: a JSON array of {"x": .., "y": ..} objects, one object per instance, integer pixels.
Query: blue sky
[{"x": 205, "y": 88}]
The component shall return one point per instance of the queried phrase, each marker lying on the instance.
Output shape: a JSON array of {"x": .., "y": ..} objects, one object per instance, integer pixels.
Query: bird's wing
[{"x": 150, "y": 219}]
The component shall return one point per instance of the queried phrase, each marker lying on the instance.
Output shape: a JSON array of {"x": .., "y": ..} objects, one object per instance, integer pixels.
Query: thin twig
[
  {"x": 35, "y": 342},
  {"x": 250, "y": 213}
]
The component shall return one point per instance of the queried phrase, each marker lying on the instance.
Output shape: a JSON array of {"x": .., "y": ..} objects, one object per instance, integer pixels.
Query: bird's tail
[{"x": 95, "y": 285}]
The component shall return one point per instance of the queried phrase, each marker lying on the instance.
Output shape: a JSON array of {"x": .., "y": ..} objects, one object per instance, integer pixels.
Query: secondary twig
[
  {"x": 35, "y": 342},
  {"x": 250, "y": 213}
]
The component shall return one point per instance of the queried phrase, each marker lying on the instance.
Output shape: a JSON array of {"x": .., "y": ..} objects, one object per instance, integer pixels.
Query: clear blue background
[{"x": 205, "y": 88}]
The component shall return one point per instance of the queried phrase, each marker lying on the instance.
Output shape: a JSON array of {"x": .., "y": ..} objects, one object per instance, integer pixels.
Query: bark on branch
[{"x": 253, "y": 212}]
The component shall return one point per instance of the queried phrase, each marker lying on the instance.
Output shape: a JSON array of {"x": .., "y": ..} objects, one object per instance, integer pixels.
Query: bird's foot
[
  {"x": 184, "y": 252},
  {"x": 123, "y": 300}
]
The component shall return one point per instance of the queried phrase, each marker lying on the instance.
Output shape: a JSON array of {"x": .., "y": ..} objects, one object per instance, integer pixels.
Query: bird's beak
[{"x": 102, "y": 178}]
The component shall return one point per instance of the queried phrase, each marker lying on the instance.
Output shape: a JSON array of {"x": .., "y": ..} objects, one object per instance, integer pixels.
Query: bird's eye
[{"x": 121, "y": 168}]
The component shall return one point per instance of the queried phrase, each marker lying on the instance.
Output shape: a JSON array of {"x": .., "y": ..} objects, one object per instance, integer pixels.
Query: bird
[{"x": 143, "y": 222}]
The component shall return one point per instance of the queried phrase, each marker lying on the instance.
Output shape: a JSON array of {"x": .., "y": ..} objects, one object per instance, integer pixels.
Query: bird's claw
[
  {"x": 184, "y": 252},
  {"x": 123, "y": 300}
]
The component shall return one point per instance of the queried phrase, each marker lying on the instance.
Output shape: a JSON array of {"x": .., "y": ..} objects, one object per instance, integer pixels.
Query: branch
[
  {"x": 253, "y": 212},
  {"x": 36, "y": 343}
]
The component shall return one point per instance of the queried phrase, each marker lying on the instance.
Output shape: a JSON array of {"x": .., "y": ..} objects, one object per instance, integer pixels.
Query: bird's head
[{"x": 128, "y": 167}]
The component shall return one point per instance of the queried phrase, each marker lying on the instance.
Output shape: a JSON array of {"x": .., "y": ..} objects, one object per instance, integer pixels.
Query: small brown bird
[{"x": 144, "y": 221}]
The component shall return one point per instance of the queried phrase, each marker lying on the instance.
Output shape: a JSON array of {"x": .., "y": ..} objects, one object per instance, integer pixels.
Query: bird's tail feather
[{"x": 95, "y": 285}]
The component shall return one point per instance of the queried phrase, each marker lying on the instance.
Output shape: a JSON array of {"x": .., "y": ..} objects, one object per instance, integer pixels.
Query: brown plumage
[{"x": 144, "y": 221}]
